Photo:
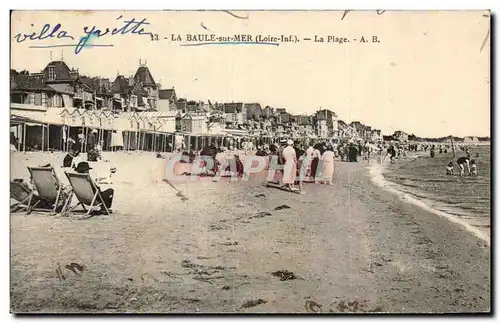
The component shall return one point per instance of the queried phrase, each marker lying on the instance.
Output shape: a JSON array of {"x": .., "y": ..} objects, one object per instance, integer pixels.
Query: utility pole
[{"x": 452, "y": 146}]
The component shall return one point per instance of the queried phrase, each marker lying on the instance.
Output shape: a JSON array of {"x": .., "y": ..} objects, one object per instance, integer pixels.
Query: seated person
[
  {"x": 70, "y": 158},
  {"x": 184, "y": 157},
  {"x": 449, "y": 169},
  {"x": 35, "y": 199},
  {"x": 107, "y": 195},
  {"x": 93, "y": 155},
  {"x": 473, "y": 168},
  {"x": 238, "y": 164}
]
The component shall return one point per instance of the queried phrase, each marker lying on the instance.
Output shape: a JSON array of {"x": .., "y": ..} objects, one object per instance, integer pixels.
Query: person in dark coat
[
  {"x": 353, "y": 154},
  {"x": 70, "y": 156}
]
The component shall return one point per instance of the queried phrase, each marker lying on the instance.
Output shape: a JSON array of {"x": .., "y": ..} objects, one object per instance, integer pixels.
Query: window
[
  {"x": 52, "y": 73},
  {"x": 38, "y": 98},
  {"x": 56, "y": 101}
]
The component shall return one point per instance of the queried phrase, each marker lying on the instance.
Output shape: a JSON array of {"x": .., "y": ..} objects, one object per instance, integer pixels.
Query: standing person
[
  {"x": 13, "y": 139},
  {"x": 117, "y": 140},
  {"x": 463, "y": 162},
  {"x": 78, "y": 143},
  {"x": 304, "y": 167},
  {"x": 328, "y": 158},
  {"x": 353, "y": 153},
  {"x": 316, "y": 155},
  {"x": 340, "y": 152},
  {"x": 308, "y": 159},
  {"x": 290, "y": 165},
  {"x": 390, "y": 152}
]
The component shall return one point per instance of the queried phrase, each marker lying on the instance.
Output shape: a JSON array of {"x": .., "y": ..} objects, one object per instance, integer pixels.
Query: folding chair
[
  {"x": 86, "y": 192},
  {"x": 22, "y": 195},
  {"x": 48, "y": 186}
]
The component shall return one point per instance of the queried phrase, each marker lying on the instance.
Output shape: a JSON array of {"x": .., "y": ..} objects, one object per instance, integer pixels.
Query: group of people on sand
[
  {"x": 303, "y": 163},
  {"x": 465, "y": 163}
]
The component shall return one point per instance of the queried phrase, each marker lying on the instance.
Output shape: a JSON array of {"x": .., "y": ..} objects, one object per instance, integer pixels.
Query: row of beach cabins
[{"x": 55, "y": 129}]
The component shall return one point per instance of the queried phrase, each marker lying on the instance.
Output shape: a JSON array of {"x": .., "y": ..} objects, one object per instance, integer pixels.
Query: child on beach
[
  {"x": 449, "y": 169},
  {"x": 473, "y": 168}
]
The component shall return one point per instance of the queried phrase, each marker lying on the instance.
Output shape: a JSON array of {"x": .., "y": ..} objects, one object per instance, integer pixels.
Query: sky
[{"x": 429, "y": 74}]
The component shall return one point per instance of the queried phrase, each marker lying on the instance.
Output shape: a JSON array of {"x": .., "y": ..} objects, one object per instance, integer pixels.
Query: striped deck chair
[
  {"x": 49, "y": 188},
  {"x": 22, "y": 195},
  {"x": 86, "y": 192}
]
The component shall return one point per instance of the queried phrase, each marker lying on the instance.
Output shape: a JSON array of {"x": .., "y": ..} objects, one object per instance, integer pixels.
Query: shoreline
[{"x": 376, "y": 173}]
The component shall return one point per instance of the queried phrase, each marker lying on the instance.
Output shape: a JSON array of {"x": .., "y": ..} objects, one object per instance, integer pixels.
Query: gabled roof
[
  {"x": 87, "y": 81},
  {"x": 29, "y": 82},
  {"x": 167, "y": 94},
  {"x": 325, "y": 114},
  {"x": 62, "y": 71},
  {"x": 121, "y": 85},
  {"x": 253, "y": 106},
  {"x": 144, "y": 75}
]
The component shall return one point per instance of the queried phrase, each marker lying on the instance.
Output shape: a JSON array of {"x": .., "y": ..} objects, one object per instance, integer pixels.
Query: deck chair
[
  {"x": 86, "y": 192},
  {"x": 22, "y": 195},
  {"x": 48, "y": 186}
]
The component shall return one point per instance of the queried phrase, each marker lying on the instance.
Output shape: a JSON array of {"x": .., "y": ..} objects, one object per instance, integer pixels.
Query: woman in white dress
[{"x": 328, "y": 158}]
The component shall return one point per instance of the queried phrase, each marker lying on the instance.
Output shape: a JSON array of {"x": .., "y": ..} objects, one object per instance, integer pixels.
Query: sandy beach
[{"x": 349, "y": 247}]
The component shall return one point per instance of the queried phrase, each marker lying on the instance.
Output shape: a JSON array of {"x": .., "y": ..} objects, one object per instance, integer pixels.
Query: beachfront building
[
  {"x": 60, "y": 77},
  {"x": 60, "y": 103},
  {"x": 342, "y": 126},
  {"x": 50, "y": 107},
  {"x": 359, "y": 129},
  {"x": 182, "y": 105},
  {"x": 234, "y": 114},
  {"x": 350, "y": 133},
  {"x": 253, "y": 111},
  {"x": 144, "y": 78},
  {"x": 322, "y": 128},
  {"x": 331, "y": 121},
  {"x": 32, "y": 93},
  {"x": 376, "y": 135},
  {"x": 101, "y": 90},
  {"x": 400, "y": 136},
  {"x": 267, "y": 112},
  {"x": 167, "y": 100},
  {"x": 283, "y": 116}
]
